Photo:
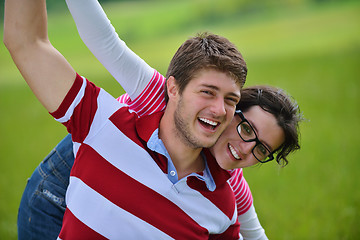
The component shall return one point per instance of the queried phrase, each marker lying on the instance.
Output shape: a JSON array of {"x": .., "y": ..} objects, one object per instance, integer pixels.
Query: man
[{"x": 124, "y": 183}]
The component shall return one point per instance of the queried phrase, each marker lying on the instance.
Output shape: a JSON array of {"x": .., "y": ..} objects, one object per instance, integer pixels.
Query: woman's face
[{"x": 267, "y": 130}]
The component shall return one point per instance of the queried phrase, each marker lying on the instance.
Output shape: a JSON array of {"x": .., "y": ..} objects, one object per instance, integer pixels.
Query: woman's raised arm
[{"x": 100, "y": 37}]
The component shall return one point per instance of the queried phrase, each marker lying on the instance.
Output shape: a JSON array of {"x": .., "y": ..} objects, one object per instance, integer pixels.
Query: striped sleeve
[
  {"x": 241, "y": 190},
  {"x": 81, "y": 106},
  {"x": 151, "y": 99},
  {"x": 81, "y": 98},
  {"x": 125, "y": 98}
]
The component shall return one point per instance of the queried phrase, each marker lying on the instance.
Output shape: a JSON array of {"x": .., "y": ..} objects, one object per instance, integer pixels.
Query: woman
[{"x": 266, "y": 123}]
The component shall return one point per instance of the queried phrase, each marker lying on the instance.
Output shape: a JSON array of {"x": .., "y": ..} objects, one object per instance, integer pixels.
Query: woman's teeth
[{"x": 233, "y": 152}]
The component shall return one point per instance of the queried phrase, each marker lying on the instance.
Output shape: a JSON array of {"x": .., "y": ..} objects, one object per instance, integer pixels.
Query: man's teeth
[
  {"x": 233, "y": 152},
  {"x": 212, "y": 123}
]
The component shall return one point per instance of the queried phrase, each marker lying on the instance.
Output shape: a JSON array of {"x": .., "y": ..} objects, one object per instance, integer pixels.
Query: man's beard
[{"x": 183, "y": 131}]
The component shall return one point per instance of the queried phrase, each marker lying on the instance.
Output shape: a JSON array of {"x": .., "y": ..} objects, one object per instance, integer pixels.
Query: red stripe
[
  {"x": 142, "y": 127},
  {"x": 123, "y": 98},
  {"x": 150, "y": 100},
  {"x": 146, "y": 92},
  {"x": 231, "y": 233},
  {"x": 158, "y": 105},
  {"x": 74, "y": 229},
  {"x": 242, "y": 191},
  {"x": 223, "y": 197},
  {"x": 134, "y": 197},
  {"x": 247, "y": 198},
  {"x": 154, "y": 90},
  {"x": 69, "y": 98},
  {"x": 84, "y": 113}
]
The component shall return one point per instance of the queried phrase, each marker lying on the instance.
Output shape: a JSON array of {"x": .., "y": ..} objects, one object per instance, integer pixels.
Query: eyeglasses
[{"x": 248, "y": 134}]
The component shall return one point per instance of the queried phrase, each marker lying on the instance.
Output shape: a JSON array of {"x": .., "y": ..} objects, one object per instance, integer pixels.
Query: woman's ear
[{"x": 172, "y": 88}]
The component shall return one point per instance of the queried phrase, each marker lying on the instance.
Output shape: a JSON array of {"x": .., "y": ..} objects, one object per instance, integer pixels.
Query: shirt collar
[
  {"x": 146, "y": 125},
  {"x": 157, "y": 145},
  {"x": 219, "y": 175},
  {"x": 147, "y": 128}
]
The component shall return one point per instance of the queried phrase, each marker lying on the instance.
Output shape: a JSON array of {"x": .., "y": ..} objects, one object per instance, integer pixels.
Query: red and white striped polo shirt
[
  {"x": 152, "y": 100},
  {"x": 119, "y": 188}
]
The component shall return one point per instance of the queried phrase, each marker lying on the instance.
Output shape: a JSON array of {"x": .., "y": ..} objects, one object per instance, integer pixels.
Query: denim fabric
[{"x": 43, "y": 202}]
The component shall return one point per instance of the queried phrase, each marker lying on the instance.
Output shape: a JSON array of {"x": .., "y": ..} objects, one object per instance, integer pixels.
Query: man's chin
[{"x": 208, "y": 143}]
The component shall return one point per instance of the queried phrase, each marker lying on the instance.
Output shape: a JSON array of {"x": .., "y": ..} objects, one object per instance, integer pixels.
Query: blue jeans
[{"x": 43, "y": 202}]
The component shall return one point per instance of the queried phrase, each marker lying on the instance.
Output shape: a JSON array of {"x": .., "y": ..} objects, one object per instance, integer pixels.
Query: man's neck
[{"x": 185, "y": 158}]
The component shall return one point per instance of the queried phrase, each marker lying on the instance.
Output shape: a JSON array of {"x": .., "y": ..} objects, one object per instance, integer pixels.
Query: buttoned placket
[{"x": 155, "y": 144}]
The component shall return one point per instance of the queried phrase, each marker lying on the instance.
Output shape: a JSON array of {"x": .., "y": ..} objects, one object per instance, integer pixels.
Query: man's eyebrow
[
  {"x": 210, "y": 86},
  {"x": 257, "y": 133},
  {"x": 217, "y": 89}
]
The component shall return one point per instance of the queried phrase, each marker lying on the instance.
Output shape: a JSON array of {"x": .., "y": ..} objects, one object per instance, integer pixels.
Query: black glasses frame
[{"x": 256, "y": 139}]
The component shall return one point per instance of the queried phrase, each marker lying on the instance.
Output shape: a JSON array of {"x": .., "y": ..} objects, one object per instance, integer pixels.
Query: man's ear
[{"x": 172, "y": 88}]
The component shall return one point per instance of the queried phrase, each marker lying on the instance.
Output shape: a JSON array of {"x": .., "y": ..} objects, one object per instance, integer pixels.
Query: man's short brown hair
[{"x": 206, "y": 51}]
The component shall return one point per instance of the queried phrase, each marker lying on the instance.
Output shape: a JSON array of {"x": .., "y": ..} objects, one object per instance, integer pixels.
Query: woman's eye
[
  {"x": 247, "y": 129},
  {"x": 262, "y": 150}
]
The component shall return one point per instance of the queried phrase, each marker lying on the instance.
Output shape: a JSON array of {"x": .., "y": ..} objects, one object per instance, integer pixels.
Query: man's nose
[{"x": 218, "y": 107}]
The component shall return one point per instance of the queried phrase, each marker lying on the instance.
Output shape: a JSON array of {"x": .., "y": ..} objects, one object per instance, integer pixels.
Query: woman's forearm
[
  {"x": 250, "y": 227},
  {"x": 100, "y": 37}
]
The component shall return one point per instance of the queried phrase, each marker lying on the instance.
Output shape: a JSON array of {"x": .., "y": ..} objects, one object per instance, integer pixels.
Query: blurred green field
[{"x": 312, "y": 51}]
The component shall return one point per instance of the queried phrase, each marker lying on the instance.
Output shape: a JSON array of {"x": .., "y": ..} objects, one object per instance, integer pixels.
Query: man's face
[{"x": 205, "y": 108}]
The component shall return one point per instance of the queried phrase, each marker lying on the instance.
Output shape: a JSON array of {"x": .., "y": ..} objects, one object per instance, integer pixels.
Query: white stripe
[
  {"x": 151, "y": 94},
  {"x": 241, "y": 190},
  {"x": 76, "y": 147},
  {"x": 147, "y": 90},
  {"x": 104, "y": 217},
  {"x": 152, "y": 106},
  {"x": 73, "y": 105},
  {"x": 243, "y": 204},
  {"x": 157, "y": 109},
  {"x": 107, "y": 106}
]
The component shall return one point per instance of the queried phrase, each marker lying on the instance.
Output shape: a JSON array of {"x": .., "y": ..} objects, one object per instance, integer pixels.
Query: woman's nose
[{"x": 247, "y": 147}]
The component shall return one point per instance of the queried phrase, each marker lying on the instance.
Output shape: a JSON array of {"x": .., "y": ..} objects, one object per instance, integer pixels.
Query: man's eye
[
  {"x": 207, "y": 92},
  {"x": 232, "y": 101}
]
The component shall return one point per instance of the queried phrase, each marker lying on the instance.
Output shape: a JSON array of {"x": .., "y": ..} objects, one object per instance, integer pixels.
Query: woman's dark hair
[{"x": 285, "y": 109}]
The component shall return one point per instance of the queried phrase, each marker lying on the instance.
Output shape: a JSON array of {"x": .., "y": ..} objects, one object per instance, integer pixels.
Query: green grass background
[{"x": 310, "y": 50}]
